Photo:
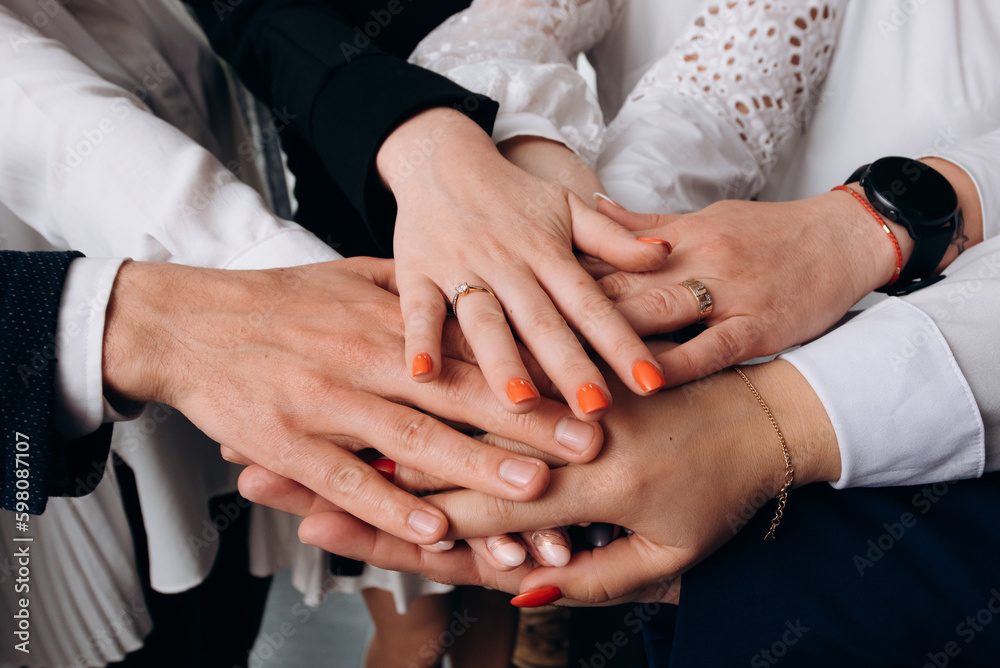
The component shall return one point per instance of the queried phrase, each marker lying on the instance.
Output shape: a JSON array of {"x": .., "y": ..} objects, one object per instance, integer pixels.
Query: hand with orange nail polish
[
  {"x": 477, "y": 235},
  {"x": 766, "y": 295},
  {"x": 305, "y": 398},
  {"x": 675, "y": 472}
]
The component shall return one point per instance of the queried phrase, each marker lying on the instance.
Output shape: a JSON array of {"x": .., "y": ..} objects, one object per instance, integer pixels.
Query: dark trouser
[
  {"x": 906, "y": 576},
  {"x": 213, "y": 625}
]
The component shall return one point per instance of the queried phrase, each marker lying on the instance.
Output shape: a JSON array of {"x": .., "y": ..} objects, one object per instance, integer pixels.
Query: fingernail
[
  {"x": 600, "y": 534},
  {"x": 550, "y": 543},
  {"x": 628, "y": 532},
  {"x": 647, "y": 376},
  {"x": 506, "y": 551},
  {"x": 386, "y": 467},
  {"x": 422, "y": 365},
  {"x": 520, "y": 390},
  {"x": 440, "y": 546},
  {"x": 536, "y": 598},
  {"x": 662, "y": 242},
  {"x": 517, "y": 472},
  {"x": 556, "y": 555},
  {"x": 574, "y": 435},
  {"x": 599, "y": 196},
  {"x": 591, "y": 398},
  {"x": 424, "y": 523}
]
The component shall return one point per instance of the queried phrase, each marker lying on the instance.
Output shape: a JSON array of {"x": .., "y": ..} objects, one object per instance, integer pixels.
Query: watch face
[{"x": 912, "y": 191}]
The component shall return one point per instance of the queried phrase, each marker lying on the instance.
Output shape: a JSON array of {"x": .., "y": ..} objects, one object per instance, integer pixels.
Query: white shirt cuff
[
  {"x": 80, "y": 405},
  {"x": 524, "y": 124},
  {"x": 978, "y": 158},
  {"x": 891, "y": 387},
  {"x": 288, "y": 247}
]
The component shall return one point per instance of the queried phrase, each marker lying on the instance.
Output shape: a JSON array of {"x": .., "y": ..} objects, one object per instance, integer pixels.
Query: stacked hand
[
  {"x": 496, "y": 226},
  {"x": 675, "y": 468},
  {"x": 298, "y": 369}
]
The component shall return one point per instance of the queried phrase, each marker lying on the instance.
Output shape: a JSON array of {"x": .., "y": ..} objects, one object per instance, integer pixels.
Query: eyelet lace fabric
[
  {"x": 757, "y": 65},
  {"x": 705, "y": 122}
]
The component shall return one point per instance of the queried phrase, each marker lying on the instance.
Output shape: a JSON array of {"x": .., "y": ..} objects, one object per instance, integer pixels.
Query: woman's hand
[
  {"x": 466, "y": 215},
  {"x": 684, "y": 470},
  {"x": 779, "y": 274}
]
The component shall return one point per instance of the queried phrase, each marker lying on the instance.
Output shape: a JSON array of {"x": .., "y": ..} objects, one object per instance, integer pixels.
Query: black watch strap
[{"x": 930, "y": 245}]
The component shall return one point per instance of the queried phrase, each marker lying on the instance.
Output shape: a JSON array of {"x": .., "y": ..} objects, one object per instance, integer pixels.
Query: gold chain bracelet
[{"x": 789, "y": 471}]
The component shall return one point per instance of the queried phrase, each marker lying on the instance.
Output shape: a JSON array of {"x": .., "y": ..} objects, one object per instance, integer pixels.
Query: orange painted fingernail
[
  {"x": 536, "y": 598},
  {"x": 647, "y": 376},
  {"x": 662, "y": 242},
  {"x": 422, "y": 365},
  {"x": 520, "y": 390},
  {"x": 386, "y": 467},
  {"x": 591, "y": 398}
]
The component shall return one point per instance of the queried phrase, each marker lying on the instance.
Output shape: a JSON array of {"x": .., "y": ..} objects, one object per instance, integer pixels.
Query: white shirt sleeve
[
  {"x": 708, "y": 120},
  {"x": 522, "y": 53},
  {"x": 80, "y": 404},
  {"x": 910, "y": 384},
  {"x": 91, "y": 168},
  {"x": 980, "y": 159}
]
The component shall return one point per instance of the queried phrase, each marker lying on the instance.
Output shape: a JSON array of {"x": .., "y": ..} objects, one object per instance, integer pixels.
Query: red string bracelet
[{"x": 881, "y": 223}]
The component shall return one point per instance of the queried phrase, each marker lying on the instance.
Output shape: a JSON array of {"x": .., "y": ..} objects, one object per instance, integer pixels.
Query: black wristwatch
[{"x": 920, "y": 199}]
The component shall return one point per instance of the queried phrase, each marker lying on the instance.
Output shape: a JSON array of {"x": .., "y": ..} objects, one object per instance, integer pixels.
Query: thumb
[
  {"x": 631, "y": 220},
  {"x": 598, "y": 235},
  {"x": 627, "y": 568}
]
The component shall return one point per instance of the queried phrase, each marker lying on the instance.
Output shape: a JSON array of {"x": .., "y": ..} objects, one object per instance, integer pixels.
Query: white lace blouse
[{"x": 738, "y": 76}]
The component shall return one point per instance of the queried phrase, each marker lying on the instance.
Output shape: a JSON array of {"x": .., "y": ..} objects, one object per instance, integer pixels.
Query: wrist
[
  {"x": 125, "y": 368},
  {"x": 969, "y": 230},
  {"x": 151, "y": 316},
  {"x": 809, "y": 434},
  {"x": 408, "y": 156},
  {"x": 554, "y": 162}
]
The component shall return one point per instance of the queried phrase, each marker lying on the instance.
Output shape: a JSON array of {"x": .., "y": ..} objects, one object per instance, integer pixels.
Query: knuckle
[
  {"x": 617, "y": 284},
  {"x": 595, "y": 311},
  {"x": 545, "y": 322},
  {"x": 346, "y": 480},
  {"x": 486, "y": 320},
  {"x": 660, "y": 303}
]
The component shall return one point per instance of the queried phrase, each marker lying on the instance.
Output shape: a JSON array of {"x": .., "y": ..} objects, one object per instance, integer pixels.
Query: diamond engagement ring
[{"x": 463, "y": 290}]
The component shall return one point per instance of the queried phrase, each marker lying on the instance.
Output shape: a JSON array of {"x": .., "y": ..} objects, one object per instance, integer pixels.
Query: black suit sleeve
[
  {"x": 336, "y": 71},
  {"x": 35, "y": 462}
]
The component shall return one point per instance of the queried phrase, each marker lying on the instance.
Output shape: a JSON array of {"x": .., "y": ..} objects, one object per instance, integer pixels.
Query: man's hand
[{"x": 296, "y": 369}]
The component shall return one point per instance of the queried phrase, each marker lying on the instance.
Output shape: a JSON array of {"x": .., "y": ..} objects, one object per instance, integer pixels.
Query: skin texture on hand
[
  {"x": 553, "y": 162},
  {"x": 297, "y": 369},
  {"x": 467, "y": 215},
  {"x": 779, "y": 274},
  {"x": 676, "y": 468}
]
